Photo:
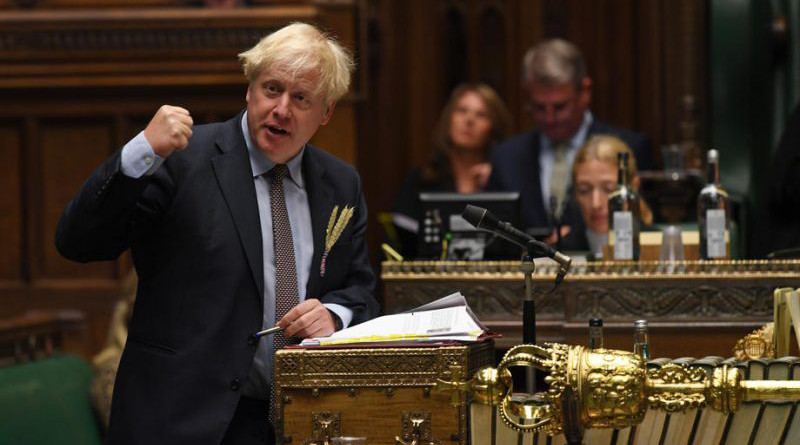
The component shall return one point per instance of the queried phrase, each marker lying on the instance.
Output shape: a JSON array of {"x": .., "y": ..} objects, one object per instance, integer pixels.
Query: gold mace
[{"x": 611, "y": 388}]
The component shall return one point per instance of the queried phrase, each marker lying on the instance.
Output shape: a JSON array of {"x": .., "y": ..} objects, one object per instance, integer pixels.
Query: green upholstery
[
  {"x": 47, "y": 402},
  {"x": 754, "y": 86}
]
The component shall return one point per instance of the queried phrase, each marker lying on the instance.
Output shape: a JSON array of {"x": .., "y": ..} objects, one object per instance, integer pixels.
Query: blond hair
[
  {"x": 606, "y": 149},
  {"x": 554, "y": 62},
  {"x": 298, "y": 49}
]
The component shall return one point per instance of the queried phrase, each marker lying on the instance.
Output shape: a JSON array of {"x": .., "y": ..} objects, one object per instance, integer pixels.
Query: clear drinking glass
[
  {"x": 671, "y": 244},
  {"x": 673, "y": 155}
]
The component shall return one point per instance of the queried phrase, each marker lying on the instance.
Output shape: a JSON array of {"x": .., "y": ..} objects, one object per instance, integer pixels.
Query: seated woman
[
  {"x": 472, "y": 121},
  {"x": 594, "y": 176}
]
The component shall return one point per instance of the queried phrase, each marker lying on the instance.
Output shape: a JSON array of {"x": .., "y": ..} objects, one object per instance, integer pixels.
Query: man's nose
[
  {"x": 549, "y": 115},
  {"x": 282, "y": 107}
]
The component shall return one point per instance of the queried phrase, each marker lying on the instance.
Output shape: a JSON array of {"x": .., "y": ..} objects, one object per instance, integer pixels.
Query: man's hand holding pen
[{"x": 308, "y": 319}]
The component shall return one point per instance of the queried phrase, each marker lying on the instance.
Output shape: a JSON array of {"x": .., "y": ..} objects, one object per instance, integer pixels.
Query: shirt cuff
[
  {"x": 344, "y": 313},
  {"x": 138, "y": 158}
]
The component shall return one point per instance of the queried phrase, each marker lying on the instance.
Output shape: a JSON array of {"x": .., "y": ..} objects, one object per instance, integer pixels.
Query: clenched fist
[{"x": 169, "y": 130}]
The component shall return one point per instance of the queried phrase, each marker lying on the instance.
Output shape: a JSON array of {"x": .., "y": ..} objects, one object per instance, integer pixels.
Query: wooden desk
[{"x": 693, "y": 308}]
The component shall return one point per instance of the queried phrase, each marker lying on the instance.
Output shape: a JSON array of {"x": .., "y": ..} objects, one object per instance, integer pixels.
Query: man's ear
[
  {"x": 586, "y": 91},
  {"x": 326, "y": 115},
  {"x": 635, "y": 182}
]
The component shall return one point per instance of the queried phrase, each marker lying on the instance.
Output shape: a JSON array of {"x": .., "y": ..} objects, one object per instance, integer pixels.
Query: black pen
[{"x": 269, "y": 331}]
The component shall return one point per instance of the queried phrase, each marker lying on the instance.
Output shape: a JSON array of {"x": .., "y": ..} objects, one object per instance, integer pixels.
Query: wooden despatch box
[{"x": 380, "y": 394}]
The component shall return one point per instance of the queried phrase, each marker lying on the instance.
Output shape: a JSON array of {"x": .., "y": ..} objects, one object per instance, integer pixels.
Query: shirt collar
[
  {"x": 576, "y": 140},
  {"x": 260, "y": 164}
]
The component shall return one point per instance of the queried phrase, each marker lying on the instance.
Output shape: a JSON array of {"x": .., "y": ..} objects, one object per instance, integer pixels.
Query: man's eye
[{"x": 300, "y": 97}]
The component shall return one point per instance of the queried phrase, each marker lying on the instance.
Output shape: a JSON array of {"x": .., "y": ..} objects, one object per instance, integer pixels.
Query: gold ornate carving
[
  {"x": 386, "y": 369},
  {"x": 488, "y": 297},
  {"x": 755, "y": 345},
  {"x": 675, "y": 374},
  {"x": 324, "y": 426},
  {"x": 612, "y": 388},
  {"x": 601, "y": 270},
  {"x": 708, "y": 293},
  {"x": 416, "y": 429}
]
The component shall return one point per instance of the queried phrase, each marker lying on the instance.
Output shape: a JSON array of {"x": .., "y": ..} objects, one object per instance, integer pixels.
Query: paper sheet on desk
[{"x": 448, "y": 318}]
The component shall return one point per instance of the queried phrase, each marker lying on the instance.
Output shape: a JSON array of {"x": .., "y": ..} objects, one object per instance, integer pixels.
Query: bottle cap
[
  {"x": 640, "y": 324},
  {"x": 596, "y": 322},
  {"x": 713, "y": 155}
]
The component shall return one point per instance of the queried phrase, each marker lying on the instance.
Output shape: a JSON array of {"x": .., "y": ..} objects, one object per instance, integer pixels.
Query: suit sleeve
[
  {"x": 494, "y": 183},
  {"x": 97, "y": 222}
]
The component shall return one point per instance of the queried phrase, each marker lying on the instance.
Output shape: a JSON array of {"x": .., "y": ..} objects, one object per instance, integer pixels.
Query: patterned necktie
[
  {"x": 558, "y": 177},
  {"x": 285, "y": 271}
]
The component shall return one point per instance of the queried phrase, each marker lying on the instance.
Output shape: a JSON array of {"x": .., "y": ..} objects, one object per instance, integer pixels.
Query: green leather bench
[{"x": 47, "y": 402}]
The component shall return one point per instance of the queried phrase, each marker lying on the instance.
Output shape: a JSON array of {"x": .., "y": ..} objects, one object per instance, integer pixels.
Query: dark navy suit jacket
[{"x": 195, "y": 237}]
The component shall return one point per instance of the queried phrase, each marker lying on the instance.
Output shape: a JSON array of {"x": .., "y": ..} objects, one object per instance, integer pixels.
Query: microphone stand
[
  {"x": 529, "y": 318},
  {"x": 557, "y": 219}
]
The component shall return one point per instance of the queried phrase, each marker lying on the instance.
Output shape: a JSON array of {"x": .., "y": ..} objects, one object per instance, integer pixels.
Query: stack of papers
[{"x": 446, "y": 319}]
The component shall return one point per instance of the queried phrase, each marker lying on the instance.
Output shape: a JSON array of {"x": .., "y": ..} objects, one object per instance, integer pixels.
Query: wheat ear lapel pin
[{"x": 333, "y": 232}]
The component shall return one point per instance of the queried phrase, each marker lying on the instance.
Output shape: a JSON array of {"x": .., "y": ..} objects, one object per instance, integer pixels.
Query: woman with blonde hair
[
  {"x": 594, "y": 176},
  {"x": 474, "y": 119}
]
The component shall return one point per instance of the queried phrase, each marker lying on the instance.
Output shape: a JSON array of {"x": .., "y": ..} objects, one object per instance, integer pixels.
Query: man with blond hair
[
  {"x": 538, "y": 163},
  {"x": 227, "y": 229}
]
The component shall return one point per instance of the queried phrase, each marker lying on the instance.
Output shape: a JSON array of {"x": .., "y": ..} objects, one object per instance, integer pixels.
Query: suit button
[
  {"x": 236, "y": 384},
  {"x": 252, "y": 340}
]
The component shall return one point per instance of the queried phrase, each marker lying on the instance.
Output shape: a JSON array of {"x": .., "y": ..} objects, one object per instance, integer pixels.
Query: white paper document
[{"x": 445, "y": 319}]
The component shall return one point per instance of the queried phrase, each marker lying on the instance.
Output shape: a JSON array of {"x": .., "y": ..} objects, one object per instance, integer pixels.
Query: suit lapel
[
  {"x": 535, "y": 209},
  {"x": 320, "y": 203},
  {"x": 234, "y": 176}
]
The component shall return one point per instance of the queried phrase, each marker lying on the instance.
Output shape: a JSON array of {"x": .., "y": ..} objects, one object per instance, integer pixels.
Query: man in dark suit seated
[
  {"x": 538, "y": 163},
  {"x": 227, "y": 228}
]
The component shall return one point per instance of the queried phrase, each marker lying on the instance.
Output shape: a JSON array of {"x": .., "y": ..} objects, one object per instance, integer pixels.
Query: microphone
[{"x": 483, "y": 219}]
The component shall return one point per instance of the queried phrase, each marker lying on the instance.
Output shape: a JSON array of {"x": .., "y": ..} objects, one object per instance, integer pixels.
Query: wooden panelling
[
  {"x": 134, "y": 48},
  {"x": 79, "y": 4},
  {"x": 644, "y": 59},
  {"x": 339, "y": 136},
  {"x": 11, "y": 206},
  {"x": 68, "y": 153},
  {"x": 95, "y": 70},
  {"x": 77, "y": 83}
]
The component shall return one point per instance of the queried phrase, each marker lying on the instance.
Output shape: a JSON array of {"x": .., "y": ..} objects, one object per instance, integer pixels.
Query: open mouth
[{"x": 276, "y": 130}]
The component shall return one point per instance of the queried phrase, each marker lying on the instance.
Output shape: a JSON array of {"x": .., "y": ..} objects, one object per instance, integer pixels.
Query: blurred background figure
[
  {"x": 474, "y": 119},
  {"x": 594, "y": 176},
  {"x": 783, "y": 200},
  {"x": 537, "y": 163},
  {"x": 106, "y": 362}
]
